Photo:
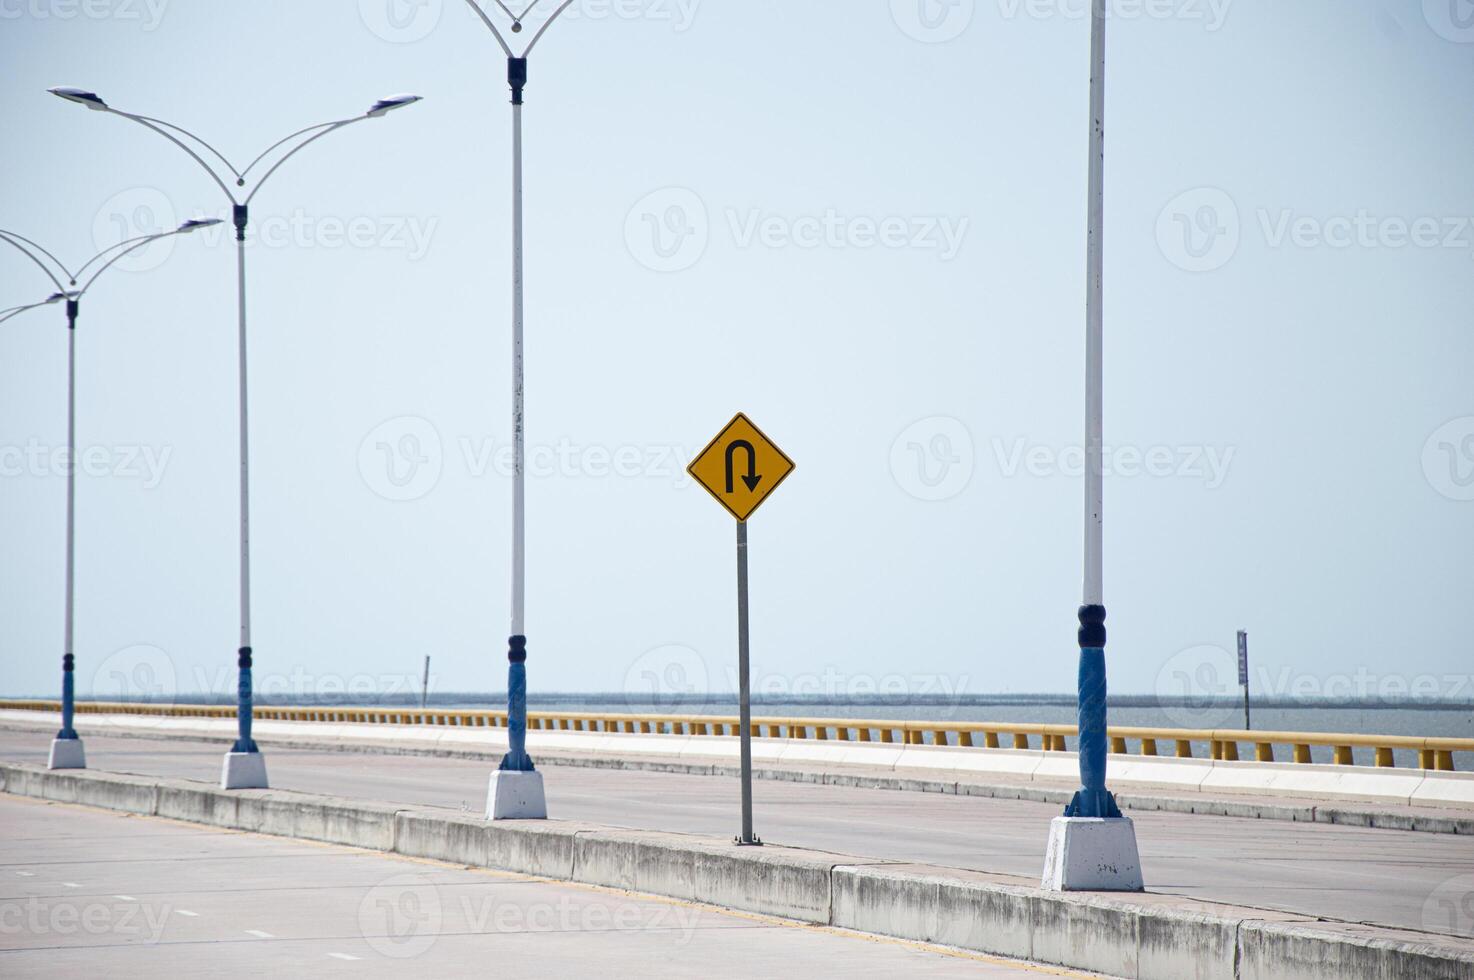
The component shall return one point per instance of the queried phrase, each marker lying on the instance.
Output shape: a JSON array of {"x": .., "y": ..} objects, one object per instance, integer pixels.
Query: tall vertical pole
[
  {"x": 68, "y": 687},
  {"x": 244, "y": 743},
  {"x": 1093, "y": 800},
  {"x": 425, "y": 684},
  {"x": 517, "y": 759},
  {"x": 1244, "y": 674},
  {"x": 744, "y": 701}
]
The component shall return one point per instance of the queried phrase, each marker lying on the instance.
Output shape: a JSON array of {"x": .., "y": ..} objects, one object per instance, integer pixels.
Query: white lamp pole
[
  {"x": 244, "y": 766},
  {"x": 66, "y": 749},
  {"x": 516, "y": 788},
  {"x": 1092, "y": 847}
]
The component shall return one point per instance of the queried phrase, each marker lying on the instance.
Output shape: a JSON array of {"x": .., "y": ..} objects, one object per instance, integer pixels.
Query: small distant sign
[{"x": 1243, "y": 659}]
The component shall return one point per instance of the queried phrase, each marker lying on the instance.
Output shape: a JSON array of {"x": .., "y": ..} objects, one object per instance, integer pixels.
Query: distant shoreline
[{"x": 675, "y": 702}]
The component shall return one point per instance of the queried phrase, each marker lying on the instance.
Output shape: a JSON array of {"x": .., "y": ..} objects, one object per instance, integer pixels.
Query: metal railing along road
[{"x": 1223, "y": 744}]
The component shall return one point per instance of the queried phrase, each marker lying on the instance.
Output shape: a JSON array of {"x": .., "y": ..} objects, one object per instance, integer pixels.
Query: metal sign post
[
  {"x": 1244, "y": 673},
  {"x": 741, "y": 486},
  {"x": 744, "y": 693}
]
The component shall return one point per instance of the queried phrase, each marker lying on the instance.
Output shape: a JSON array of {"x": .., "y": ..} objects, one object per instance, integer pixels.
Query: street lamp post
[
  {"x": 516, "y": 789},
  {"x": 244, "y": 766},
  {"x": 66, "y": 749},
  {"x": 1092, "y": 847}
]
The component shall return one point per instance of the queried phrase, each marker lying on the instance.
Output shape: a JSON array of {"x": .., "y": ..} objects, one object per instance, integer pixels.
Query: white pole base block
[
  {"x": 516, "y": 796},
  {"x": 66, "y": 753},
  {"x": 1092, "y": 854},
  {"x": 244, "y": 770}
]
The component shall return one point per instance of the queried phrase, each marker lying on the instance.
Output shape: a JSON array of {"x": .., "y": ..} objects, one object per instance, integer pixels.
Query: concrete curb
[
  {"x": 482, "y": 744},
  {"x": 1150, "y": 936}
]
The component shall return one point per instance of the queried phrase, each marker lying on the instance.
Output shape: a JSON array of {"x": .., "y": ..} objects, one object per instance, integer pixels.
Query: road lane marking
[
  {"x": 70, "y": 884},
  {"x": 192, "y": 915},
  {"x": 26, "y": 874},
  {"x": 125, "y": 898},
  {"x": 342, "y": 956},
  {"x": 259, "y": 934}
]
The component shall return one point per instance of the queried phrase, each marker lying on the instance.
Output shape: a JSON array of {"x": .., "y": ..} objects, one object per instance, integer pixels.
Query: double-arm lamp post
[
  {"x": 66, "y": 749},
  {"x": 516, "y": 788},
  {"x": 244, "y": 766}
]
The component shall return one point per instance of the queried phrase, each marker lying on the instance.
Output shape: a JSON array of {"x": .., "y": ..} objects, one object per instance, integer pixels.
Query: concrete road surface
[
  {"x": 93, "y": 893},
  {"x": 1385, "y": 877}
]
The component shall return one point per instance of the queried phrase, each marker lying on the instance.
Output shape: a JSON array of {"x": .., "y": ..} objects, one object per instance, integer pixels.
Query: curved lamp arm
[
  {"x": 17, "y": 310},
  {"x": 14, "y": 239},
  {"x": 325, "y": 129},
  {"x": 136, "y": 243},
  {"x": 265, "y": 152},
  {"x": 546, "y": 24},
  {"x": 150, "y": 124},
  {"x": 180, "y": 129},
  {"x": 125, "y": 242},
  {"x": 492, "y": 27},
  {"x": 517, "y": 23},
  {"x": 92, "y": 101}
]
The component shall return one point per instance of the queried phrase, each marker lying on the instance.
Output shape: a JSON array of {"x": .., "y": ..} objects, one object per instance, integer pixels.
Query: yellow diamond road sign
[{"x": 740, "y": 467}]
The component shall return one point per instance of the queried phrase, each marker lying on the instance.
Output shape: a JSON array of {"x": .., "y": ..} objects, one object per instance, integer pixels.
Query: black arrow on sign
[{"x": 752, "y": 478}]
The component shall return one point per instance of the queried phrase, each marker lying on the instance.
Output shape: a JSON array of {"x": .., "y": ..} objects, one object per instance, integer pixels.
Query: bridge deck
[{"x": 1384, "y": 877}]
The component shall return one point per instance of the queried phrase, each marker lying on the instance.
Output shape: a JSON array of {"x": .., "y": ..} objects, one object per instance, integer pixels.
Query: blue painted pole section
[
  {"x": 243, "y": 703},
  {"x": 66, "y": 699},
  {"x": 516, "y": 759},
  {"x": 1093, "y": 799}
]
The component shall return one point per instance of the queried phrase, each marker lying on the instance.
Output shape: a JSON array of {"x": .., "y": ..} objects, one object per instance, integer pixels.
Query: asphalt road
[
  {"x": 92, "y": 893},
  {"x": 1386, "y": 877}
]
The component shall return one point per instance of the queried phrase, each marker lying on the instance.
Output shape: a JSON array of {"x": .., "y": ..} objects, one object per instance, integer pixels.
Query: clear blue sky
[{"x": 860, "y": 223}]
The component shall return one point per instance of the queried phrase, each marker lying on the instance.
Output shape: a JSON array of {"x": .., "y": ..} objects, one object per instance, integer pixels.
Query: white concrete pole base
[
  {"x": 244, "y": 770},
  {"x": 1092, "y": 854},
  {"x": 66, "y": 753},
  {"x": 516, "y": 796}
]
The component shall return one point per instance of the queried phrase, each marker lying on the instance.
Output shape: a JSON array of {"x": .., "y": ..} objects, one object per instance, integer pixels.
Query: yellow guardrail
[{"x": 1433, "y": 753}]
